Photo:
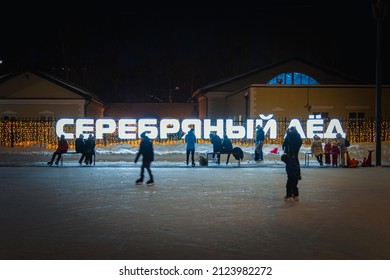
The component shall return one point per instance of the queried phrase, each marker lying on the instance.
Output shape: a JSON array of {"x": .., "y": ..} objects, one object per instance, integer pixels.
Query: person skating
[
  {"x": 146, "y": 150},
  {"x": 291, "y": 145}
]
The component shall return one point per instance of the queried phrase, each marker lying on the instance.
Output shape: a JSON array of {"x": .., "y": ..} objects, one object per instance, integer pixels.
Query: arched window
[{"x": 294, "y": 78}]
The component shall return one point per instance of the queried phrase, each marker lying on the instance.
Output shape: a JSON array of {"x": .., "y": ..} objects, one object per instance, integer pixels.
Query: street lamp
[
  {"x": 378, "y": 9},
  {"x": 172, "y": 93},
  {"x": 246, "y": 96}
]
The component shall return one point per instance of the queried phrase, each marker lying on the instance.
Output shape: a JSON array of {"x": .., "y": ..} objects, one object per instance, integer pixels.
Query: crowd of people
[{"x": 331, "y": 152}]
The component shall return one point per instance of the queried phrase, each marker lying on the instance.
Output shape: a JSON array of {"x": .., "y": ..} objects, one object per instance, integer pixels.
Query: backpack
[{"x": 239, "y": 154}]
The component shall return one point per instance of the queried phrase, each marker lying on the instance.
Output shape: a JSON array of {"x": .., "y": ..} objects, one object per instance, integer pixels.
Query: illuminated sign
[{"x": 132, "y": 128}]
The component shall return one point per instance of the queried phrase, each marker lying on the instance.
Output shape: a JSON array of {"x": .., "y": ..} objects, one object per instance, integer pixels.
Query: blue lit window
[{"x": 294, "y": 78}]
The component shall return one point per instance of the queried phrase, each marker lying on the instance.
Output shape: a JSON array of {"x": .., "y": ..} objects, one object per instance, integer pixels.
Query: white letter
[
  {"x": 148, "y": 125},
  {"x": 168, "y": 126},
  {"x": 315, "y": 126},
  {"x": 127, "y": 129},
  {"x": 83, "y": 128},
  {"x": 208, "y": 128},
  {"x": 104, "y": 126},
  {"x": 298, "y": 126},
  {"x": 334, "y": 124},
  {"x": 196, "y": 123},
  {"x": 60, "y": 128},
  {"x": 249, "y": 128},
  {"x": 272, "y": 126},
  {"x": 234, "y": 131}
]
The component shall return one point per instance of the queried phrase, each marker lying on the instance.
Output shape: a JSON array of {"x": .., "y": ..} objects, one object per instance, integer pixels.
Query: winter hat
[{"x": 143, "y": 134}]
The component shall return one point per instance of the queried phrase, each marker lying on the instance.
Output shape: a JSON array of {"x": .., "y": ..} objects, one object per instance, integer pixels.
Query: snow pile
[{"x": 172, "y": 155}]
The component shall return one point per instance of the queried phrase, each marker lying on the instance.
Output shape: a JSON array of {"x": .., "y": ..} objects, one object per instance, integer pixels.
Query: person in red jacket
[
  {"x": 327, "y": 151},
  {"x": 335, "y": 151},
  {"x": 61, "y": 149}
]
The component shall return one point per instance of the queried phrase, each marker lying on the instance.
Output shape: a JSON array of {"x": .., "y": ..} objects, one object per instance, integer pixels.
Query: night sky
[{"x": 127, "y": 56}]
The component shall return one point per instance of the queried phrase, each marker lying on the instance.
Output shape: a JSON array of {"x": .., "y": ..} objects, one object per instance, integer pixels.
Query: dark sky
[{"x": 128, "y": 55}]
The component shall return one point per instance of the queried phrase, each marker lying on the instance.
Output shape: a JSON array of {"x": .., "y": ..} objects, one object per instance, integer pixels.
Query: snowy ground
[{"x": 226, "y": 212}]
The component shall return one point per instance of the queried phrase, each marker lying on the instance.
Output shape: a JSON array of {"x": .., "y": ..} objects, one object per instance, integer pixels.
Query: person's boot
[
  {"x": 150, "y": 182},
  {"x": 50, "y": 163},
  {"x": 139, "y": 181}
]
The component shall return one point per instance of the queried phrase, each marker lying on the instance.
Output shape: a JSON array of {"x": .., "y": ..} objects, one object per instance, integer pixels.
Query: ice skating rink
[{"x": 227, "y": 213}]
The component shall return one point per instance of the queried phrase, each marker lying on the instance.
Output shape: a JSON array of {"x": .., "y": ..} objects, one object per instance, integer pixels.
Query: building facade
[
  {"x": 291, "y": 89},
  {"x": 36, "y": 95}
]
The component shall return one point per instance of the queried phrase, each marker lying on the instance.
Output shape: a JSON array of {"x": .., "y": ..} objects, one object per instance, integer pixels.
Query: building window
[
  {"x": 8, "y": 115},
  {"x": 293, "y": 78},
  {"x": 356, "y": 115},
  {"x": 324, "y": 115}
]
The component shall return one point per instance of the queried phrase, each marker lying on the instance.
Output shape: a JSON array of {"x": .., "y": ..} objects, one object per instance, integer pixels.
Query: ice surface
[{"x": 216, "y": 212}]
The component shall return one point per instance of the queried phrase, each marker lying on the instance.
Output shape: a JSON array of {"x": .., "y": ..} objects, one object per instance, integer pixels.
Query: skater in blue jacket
[{"x": 190, "y": 139}]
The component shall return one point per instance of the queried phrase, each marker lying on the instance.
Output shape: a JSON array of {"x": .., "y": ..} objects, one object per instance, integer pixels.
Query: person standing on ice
[
  {"x": 146, "y": 150},
  {"x": 227, "y": 147},
  {"x": 217, "y": 146},
  {"x": 343, "y": 148},
  {"x": 291, "y": 145},
  {"x": 80, "y": 147},
  {"x": 259, "y": 141},
  {"x": 316, "y": 149},
  {"x": 190, "y": 140},
  {"x": 292, "y": 170}
]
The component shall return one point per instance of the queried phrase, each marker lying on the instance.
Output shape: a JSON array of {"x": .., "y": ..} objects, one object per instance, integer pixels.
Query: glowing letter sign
[{"x": 132, "y": 128}]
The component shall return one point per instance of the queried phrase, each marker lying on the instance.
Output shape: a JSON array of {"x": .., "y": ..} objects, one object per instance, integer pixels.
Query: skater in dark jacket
[
  {"x": 61, "y": 149},
  {"x": 89, "y": 149},
  {"x": 146, "y": 150},
  {"x": 227, "y": 147},
  {"x": 190, "y": 139},
  {"x": 259, "y": 141},
  {"x": 80, "y": 147},
  {"x": 217, "y": 145},
  {"x": 292, "y": 170},
  {"x": 291, "y": 145}
]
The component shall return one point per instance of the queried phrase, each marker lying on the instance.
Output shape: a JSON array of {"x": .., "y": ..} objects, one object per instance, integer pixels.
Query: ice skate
[
  {"x": 150, "y": 182},
  {"x": 296, "y": 198},
  {"x": 139, "y": 181},
  {"x": 50, "y": 163},
  {"x": 288, "y": 198}
]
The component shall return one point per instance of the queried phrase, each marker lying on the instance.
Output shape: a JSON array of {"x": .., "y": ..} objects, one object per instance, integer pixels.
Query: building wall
[
  {"x": 290, "y": 101},
  {"x": 151, "y": 110},
  {"x": 30, "y": 96},
  {"x": 40, "y": 108}
]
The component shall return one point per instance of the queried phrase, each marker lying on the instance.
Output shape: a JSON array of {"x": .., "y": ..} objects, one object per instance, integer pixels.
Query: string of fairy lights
[{"x": 22, "y": 133}]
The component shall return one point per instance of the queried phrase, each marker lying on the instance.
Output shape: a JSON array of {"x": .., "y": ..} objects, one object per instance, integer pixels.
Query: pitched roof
[
  {"x": 329, "y": 70},
  {"x": 58, "y": 81}
]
